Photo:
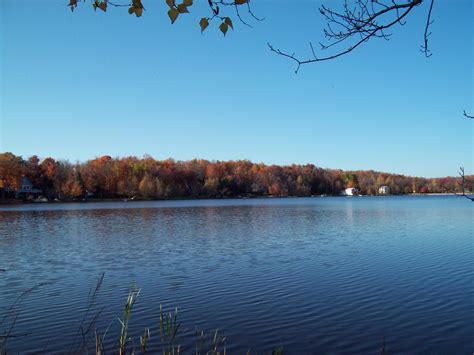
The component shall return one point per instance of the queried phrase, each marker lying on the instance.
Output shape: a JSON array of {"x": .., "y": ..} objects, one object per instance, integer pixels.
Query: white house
[
  {"x": 384, "y": 190},
  {"x": 351, "y": 191}
]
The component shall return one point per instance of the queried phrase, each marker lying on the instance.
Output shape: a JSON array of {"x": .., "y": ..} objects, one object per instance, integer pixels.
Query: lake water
[{"x": 314, "y": 275}]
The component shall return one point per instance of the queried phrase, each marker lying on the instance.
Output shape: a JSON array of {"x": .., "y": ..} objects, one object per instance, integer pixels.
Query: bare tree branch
[
  {"x": 359, "y": 23},
  {"x": 463, "y": 188},
  {"x": 468, "y": 116},
  {"x": 424, "y": 48},
  {"x": 214, "y": 5}
]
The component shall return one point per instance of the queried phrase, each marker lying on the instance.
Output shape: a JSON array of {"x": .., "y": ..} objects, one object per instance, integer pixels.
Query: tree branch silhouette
[
  {"x": 463, "y": 184},
  {"x": 359, "y": 23}
]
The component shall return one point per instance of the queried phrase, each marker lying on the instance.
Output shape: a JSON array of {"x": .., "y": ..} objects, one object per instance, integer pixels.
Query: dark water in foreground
[{"x": 320, "y": 275}]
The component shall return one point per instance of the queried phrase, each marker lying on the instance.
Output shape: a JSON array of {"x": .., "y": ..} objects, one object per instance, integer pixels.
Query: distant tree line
[{"x": 147, "y": 178}]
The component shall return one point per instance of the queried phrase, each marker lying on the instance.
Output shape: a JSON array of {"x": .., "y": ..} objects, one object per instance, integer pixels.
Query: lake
[{"x": 314, "y": 275}]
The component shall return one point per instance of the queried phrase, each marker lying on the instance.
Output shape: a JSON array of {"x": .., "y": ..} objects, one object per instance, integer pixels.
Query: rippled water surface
[{"x": 315, "y": 275}]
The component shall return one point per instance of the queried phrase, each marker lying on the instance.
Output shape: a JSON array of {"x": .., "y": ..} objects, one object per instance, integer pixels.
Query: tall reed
[{"x": 126, "y": 315}]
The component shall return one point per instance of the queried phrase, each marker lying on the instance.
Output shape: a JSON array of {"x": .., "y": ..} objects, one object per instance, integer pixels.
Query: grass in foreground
[
  {"x": 125, "y": 344},
  {"x": 169, "y": 330}
]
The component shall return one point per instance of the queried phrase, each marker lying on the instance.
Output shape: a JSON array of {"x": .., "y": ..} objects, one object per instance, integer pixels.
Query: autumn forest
[{"x": 146, "y": 178}]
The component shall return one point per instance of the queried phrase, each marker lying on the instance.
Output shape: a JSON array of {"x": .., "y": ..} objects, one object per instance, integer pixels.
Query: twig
[
  {"x": 429, "y": 22},
  {"x": 463, "y": 181},
  {"x": 366, "y": 20},
  {"x": 468, "y": 116}
]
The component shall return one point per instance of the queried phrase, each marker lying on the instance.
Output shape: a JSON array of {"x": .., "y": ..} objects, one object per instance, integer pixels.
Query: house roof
[
  {"x": 25, "y": 181},
  {"x": 27, "y": 186}
]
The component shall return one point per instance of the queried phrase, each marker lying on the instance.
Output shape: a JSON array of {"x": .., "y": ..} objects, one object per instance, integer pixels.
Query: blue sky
[{"x": 84, "y": 84}]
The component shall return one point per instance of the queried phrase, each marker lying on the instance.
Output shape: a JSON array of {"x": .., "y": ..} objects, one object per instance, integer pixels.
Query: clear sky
[{"x": 84, "y": 84}]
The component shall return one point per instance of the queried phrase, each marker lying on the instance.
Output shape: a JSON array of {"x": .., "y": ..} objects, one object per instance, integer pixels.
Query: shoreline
[{"x": 12, "y": 202}]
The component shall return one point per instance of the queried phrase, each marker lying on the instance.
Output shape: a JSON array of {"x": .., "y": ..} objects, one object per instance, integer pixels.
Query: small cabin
[
  {"x": 384, "y": 190},
  {"x": 26, "y": 188},
  {"x": 351, "y": 191}
]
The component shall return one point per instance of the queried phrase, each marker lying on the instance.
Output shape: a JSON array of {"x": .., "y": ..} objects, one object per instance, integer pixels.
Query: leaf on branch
[
  {"x": 103, "y": 6},
  {"x": 136, "y": 8},
  {"x": 224, "y": 27},
  {"x": 173, "y": 14},
  {"x": 72, "y": 4},
  {"x": 182, "y": 9},
  {"x": 188, "y": 2},
  {"x": 137, "y": 4},
  {"x": 170, "y": 3},
  {"x": 203, "y": 23},
  {"x": 228, "y": 22},
  {"x": 240, "y": 2}
]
